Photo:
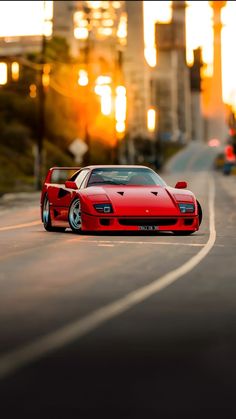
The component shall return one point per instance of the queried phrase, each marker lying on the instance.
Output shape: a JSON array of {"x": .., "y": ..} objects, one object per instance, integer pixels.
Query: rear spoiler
[{"x": 52, "y": 172}]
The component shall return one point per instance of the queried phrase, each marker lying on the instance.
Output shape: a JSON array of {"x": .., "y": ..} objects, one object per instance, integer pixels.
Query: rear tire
[{"x": 47, "y": 218}]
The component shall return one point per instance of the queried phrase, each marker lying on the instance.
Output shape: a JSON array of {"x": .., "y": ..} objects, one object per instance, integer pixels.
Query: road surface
[{"x": 122, "y": 325}]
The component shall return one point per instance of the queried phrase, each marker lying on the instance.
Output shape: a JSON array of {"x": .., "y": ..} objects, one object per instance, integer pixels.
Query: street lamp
[
  {"x": 83, "y": 81},
  {"x": 42, "y": 84},
  {"x": 152, "y": 129},
  {"x": 151, "y": 120},
  {"x": 3, "y": 74},
  {"x": 41, "y": 119},
  {"x": 120, "y": 119},
  {"x": 15, "y": 70},
  {"x": 104, "y": 90},
  {"x": 83, "y": 78}
]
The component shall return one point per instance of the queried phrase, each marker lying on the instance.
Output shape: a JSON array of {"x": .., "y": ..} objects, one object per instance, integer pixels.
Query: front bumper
[{"x": 113, "y": 223}]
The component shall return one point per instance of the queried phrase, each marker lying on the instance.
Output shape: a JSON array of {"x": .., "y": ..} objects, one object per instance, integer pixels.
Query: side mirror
[
  {"x": 181, "y": 185},
  {"x": 70, "y": 185}
]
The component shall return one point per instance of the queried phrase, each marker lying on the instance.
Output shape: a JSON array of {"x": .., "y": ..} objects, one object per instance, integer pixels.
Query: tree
[{"x": 19, "y": 118}]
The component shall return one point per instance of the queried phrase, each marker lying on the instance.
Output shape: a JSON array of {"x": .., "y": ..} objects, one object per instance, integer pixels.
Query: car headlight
[
  {"x": 104, "y": 208},
  {"x": 187, "y": 208}
]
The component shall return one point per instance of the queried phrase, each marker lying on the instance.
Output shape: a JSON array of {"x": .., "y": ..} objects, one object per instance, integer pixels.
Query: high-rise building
[
  {"x": 171, "y": 80},
  {"x": 196, "y": 93},
  {"x": 63, "y": 22},
  {"x": 216, "y": 126},
  {"x": 136, "y": 71}
]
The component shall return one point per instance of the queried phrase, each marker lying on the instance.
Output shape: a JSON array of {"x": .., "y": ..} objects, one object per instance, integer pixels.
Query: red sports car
[{"x": 115, "y": 198}]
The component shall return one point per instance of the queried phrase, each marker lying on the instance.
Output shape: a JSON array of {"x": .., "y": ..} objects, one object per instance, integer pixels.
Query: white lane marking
[
  {"x": 100, "y": 243},
  {"x": 12, "y": 361},
  {"x": 105, "y": 245},
  {"x": 157, "y": 243},
  {"x": 33, "y": 223},
  {"x": 151, "y": 243}
]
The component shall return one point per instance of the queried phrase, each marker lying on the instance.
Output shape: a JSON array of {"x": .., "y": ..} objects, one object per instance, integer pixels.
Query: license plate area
[{"x": 148, "y": 228}]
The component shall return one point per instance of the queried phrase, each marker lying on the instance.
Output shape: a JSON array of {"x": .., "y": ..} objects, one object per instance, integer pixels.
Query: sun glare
[{"x": 24, "y": 18}]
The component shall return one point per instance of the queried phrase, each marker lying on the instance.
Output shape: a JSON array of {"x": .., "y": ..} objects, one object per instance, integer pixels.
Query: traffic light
[{"x": 195, "y": 71}]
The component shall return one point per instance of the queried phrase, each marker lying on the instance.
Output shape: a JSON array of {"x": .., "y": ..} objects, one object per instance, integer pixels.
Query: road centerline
[{"x": 16, "y": 359}]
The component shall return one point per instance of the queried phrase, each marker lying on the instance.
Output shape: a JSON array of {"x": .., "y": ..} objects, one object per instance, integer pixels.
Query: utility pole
[
  {"x": 41, "y": 122},
  {"x": 87, "y": 156},
  {"x": 118, "y": 78},
  {"x": 41, "y": 118}
]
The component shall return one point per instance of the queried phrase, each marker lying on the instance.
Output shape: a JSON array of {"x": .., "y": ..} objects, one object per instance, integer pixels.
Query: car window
[
  {"x": 81, "y": 176},
  {"x": 83, "y": 184},
  {"x": 74, "y": 176},
  {"x": 125, "y": 176},
  {"x": 59, "y": 176}
]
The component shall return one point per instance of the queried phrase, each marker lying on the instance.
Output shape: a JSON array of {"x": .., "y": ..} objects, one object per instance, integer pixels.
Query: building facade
[
  {"x": 171, "y": 79},
  {"x": 136, "y": 72}
]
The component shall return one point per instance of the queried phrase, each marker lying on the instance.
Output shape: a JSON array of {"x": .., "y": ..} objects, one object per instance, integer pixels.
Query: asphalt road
[{"x": 123, "y": 325}]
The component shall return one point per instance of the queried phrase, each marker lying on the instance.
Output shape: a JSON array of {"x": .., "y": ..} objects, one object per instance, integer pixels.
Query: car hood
[{"x": 137, "y": 200}]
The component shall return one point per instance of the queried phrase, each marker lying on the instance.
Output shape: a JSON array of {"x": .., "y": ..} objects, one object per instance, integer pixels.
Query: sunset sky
[{"x": 199, "y": 33}]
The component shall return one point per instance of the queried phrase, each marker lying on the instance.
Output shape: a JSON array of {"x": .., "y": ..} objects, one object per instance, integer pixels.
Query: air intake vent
[
  {"x": 121, "y": 193},
  {"x": 104, "y": 221},
  {"x": 147, "y": 221},
  {"x": 155, "y": 193}
]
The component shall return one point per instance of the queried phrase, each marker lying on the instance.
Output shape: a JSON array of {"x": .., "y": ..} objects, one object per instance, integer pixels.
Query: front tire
[
  {"x": 75, "y": 219},
  {"x": 199, "y": 210},
  {"x": 46, "y": 217}
]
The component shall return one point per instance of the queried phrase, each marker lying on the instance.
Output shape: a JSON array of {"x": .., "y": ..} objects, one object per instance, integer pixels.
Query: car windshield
[{"x": 125, "y": 176}]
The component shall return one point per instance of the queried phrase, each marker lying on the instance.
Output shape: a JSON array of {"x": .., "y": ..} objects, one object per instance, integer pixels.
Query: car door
[{"x": 61, "y": 198}]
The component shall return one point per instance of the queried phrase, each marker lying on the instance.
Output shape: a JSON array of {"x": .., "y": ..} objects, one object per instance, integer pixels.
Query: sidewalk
[{"x": 17, "y": 198}]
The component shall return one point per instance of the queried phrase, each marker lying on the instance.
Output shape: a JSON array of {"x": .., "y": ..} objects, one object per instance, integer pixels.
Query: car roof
[{"x": 116, "y": 166}]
